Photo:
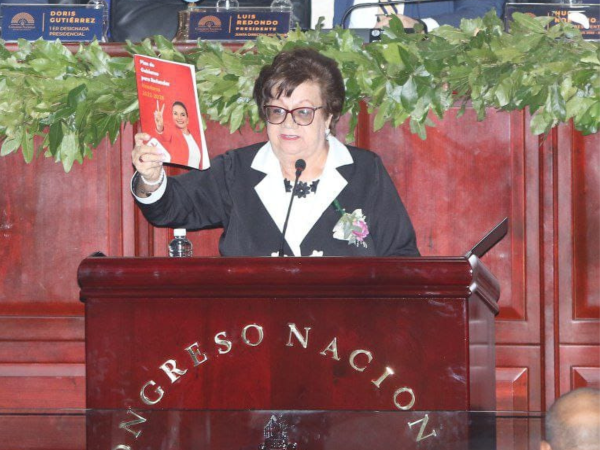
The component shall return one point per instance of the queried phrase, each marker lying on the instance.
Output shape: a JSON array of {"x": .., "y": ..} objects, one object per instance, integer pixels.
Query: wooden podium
[
  {"x": 366, "y": 334},
  {"x": 197, "y": 353}
]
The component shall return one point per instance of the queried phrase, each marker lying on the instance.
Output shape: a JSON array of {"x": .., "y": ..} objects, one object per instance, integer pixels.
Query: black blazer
[{"x": 224, "y": 196}]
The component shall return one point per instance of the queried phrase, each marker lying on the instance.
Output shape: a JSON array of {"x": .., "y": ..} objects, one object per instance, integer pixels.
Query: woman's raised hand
[{"x": 147, "y": 159}]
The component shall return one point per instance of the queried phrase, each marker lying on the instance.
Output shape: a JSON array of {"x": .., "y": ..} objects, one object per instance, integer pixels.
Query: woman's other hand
[
  {"x": 147, "y": 159},
  {"x": 383, "y": 20},
  {"x": 158, "y": 117}
]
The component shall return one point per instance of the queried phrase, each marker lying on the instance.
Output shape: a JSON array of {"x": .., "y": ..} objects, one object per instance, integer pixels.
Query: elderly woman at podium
[{"x": 302, "y": 193}]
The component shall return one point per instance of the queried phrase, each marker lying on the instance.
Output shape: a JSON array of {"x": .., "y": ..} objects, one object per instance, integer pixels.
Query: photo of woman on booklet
[{"x": 177, "y": 139}]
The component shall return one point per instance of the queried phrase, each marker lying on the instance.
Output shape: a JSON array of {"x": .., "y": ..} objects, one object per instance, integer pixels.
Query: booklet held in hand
[{"x": 170, "y": 111}]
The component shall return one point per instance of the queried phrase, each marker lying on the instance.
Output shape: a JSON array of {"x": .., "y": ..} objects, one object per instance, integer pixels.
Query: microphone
[
  {"x": 300, "y": 166},
  {"x": 374, "y": 4}
]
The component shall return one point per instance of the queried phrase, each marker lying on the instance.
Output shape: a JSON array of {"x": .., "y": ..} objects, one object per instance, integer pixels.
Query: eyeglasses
[{"x": 303, "y": 116}]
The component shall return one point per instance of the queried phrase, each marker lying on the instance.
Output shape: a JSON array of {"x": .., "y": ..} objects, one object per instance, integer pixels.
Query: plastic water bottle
[
  {"x": 98, "y": 4},
  {"x": 223, "y": 5},
  {"x": 180, "y": 246},
  {"x": 281, "y": 5},
  {"x": 284, "y": 6}
]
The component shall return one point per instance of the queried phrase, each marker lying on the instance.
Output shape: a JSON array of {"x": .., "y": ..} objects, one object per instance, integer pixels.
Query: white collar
[{"x": 272, "y": 193}]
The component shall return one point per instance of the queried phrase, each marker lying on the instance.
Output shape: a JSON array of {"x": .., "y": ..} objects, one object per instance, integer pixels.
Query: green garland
[{"x": 73, "y": 101}]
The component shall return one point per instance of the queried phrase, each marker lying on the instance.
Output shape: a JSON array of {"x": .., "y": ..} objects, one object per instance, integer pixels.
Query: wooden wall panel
[
  {"x": 49, "y": 222},
  {"x": 512, "y": 388},
  {"x": 518, "y": 371},
  {"x": 578, "y": 245},
  {"x": 579, "y": 367},
  {"x": 43, "y": 432},
  {"x": 548, "y": 296},
  {"x": 586, "y": 228},
  {"x": 41, "y": 329},
  {"x": 34, "y": 385},
  {"x": 585, "y": 377},
  {"x": 122, "y": 222},
  {"x": 456, "y": 184},
  {"x": 519, "y": 319},
  {"x": 570, "y": 255},
  {"x": 42, "y": 351},
  {"x": 42, "y": 362}
]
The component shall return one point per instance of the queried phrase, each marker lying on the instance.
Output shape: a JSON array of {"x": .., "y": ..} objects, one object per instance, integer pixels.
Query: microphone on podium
[{"x": 300, "y": 166}]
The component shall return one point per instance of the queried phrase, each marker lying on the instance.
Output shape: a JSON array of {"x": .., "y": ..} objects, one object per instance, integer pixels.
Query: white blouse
[{"x": 307, "y": 210}]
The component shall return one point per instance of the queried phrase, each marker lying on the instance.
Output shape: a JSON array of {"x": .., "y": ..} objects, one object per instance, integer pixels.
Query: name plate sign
[
  {"x": 237, "y": 25},
  {"x": 73, "y": 23},
  {"x": 586, "y": 17}
]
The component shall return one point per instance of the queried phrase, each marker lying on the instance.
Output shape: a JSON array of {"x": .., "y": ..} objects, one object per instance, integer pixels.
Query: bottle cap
[{"x": 179, "y": 232}]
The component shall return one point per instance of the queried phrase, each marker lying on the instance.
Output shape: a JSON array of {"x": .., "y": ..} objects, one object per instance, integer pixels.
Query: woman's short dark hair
[{"x": 292, "y": 68}]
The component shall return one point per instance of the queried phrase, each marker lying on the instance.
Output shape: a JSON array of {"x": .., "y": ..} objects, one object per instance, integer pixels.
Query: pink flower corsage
[{"x": 351, "y": 227}]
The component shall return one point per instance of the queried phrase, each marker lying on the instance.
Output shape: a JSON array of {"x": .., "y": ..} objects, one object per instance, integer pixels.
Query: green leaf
[
  {"x": 409, "y": 95},
  {"x": 504, "y": 92},
  {"x": 69, "y": 150},
  {"x": 540, "y": 123},
  {"x": 27, "y": 146},
  {"x": 56, "y": 137},
  {"x": 167, "y": 50},
  {"x": 76, "y": 96},
  {"x": 391, "y": 53},
  {"x": 381, "y": 116},
  {"x": 237, "y": 117},
  {"x": 113, "y": 129},
  {"x": 10, "y": 145},
  {"x": 556, "y": 103},
  {"x": 418, "y": 128}
]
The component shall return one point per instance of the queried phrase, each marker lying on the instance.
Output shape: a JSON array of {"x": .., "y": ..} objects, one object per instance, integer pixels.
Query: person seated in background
[
  {"x": 345, "y": 203},
  {"x": 430, "y": 14},
  {"x": 573, "y": 422},
  {"x": 136, "y": 20}
]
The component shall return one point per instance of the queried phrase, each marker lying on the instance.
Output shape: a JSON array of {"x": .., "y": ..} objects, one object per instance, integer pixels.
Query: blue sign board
[
  {"x": 50, "y": 22},
  {"x": 237, "y": 24}
]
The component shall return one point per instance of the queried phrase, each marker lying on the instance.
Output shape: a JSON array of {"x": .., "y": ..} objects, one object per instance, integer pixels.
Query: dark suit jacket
[
  {"x": 225, "y": 196},
  {"x": 138, "y": 19},
  {"x": 444, "y": 12}
]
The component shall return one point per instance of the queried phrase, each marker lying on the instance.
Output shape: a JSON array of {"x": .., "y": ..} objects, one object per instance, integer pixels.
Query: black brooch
[{"x": 302, "y": 188}]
